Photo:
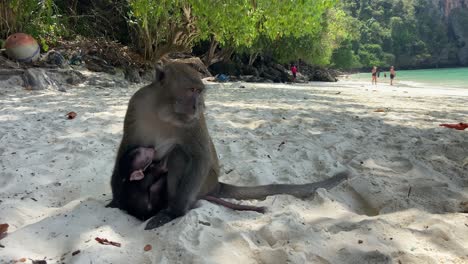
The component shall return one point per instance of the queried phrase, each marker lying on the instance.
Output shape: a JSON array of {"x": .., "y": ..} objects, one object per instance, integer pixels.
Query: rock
[
  {"x": 249, "y": 70},
  {"x": 74, "y": 77},
  {"x": 322, "y": 75},
  {"x": 100, "y": 81},
  {"x": 6, "y": 63},
  {"x": 7, "y": 81},
  {"x": 37, "y": 79},
  {"x": 76, "y": 58},
  {"x": 227, "y": 68},
  {"x": 273, "y": 74},
  {"x": 55, "y": 58},
  {"x": 251, "y": 78},
  {"x": 94, "y": 63},
  {"x": 132, "y": 75},
  {"x": 315, "y": 73},
  {"x": 62, "y": 77}
]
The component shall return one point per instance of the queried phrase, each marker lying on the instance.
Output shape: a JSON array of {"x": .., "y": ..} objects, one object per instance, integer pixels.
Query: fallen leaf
[
  {"x": 380, "y": 110},
  {"x": 76, "y": 252},
  {"x": 21, "y": 260},
  {"x": 71, "y": 115},
  {"x": 459, "y": 126},
  {"x": 3, "y": 230},
  {"x": 147, "y": 248}
]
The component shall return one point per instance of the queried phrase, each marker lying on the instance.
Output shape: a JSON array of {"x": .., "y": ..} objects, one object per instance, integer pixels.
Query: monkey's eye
[{"x": 193, "y": 90}]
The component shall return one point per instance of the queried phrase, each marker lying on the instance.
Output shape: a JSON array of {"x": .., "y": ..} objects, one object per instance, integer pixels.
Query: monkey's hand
[{"x": 161, "y": 218}]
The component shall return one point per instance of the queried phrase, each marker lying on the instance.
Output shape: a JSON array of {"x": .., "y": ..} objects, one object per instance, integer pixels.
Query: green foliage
[
  {"x": 344, "y": 57},
  {"x": 312, "y": 39},
  {"x": 289, "y": 30},
  {"x": 408, "y": 32},
  {"x": 244, "y": 25},
  {"x": 38, "y": 18},
  {"x": 162, "y": 26}
]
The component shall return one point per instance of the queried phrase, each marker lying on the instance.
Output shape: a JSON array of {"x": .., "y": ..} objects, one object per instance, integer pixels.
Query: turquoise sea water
[{"x": 449, "y": 77}]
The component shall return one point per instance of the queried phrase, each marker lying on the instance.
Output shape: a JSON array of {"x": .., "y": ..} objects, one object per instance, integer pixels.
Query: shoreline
[
  {"x": 404, "y": 202},
  {"x": 420, "y": 78}
]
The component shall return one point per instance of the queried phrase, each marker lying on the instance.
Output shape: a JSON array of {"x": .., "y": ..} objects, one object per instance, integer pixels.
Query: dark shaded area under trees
[{"x": 244, "y": 37}]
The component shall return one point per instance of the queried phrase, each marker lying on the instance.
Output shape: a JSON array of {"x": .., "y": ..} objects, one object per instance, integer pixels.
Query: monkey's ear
[
  {"x": 160, "y": 74},
  {"x": 137, "y": 175}
]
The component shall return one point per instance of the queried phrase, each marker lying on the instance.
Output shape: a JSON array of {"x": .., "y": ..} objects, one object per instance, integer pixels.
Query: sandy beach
[{"x": 406, "y": 202}]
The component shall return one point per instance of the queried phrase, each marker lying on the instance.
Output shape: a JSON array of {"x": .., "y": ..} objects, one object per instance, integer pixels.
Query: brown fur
[{"x": 161, "y": 115}]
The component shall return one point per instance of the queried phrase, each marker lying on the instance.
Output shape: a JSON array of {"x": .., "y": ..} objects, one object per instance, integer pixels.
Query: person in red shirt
[{"x": 294, "y": 71}]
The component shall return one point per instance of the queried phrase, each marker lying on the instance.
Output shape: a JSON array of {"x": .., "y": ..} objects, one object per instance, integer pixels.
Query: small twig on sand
[
  {"x": 107, "y": 242},
  {"x": 409, "y": 191}
]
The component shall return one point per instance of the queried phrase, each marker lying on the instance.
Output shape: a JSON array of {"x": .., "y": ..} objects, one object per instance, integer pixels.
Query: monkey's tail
[
  {"x": 262, "y": 191},
  {"x": 233, "y": 206}
]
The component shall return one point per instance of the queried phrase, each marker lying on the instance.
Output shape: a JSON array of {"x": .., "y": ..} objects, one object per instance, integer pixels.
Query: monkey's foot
[
  {"x": 113, "y": 204},
  {"x": 161, "y": 218}
]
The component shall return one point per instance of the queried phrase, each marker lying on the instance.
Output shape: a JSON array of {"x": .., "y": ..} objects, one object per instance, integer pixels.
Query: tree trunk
[
  {"x": 208, "y": 56},
  {"x": 252, "y": 58},
  {"x": 212, "y": 57}
]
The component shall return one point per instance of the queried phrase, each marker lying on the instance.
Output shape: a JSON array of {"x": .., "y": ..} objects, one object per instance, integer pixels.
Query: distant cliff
[
  {"x": 406, "y": 33},
  {"x": 447, "y": 6},
  {"x": 457, "y": 16}
]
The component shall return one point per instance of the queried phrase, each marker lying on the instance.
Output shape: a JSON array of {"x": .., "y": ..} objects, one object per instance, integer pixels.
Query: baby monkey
[{"x": 145, "y": 191}]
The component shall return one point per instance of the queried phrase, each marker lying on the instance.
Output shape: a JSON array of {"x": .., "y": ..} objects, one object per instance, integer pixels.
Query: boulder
[
  {"x": 323, "y": 75},
  {"x": 132, "y": 75},
  {"x": 94, "y": 63},
  {"x": 55, "y": 58},
  {"x": 38, "y": 79}
]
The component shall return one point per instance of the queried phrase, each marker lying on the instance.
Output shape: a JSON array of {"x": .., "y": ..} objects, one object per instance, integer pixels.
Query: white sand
[{"x": 55, "y": 173}]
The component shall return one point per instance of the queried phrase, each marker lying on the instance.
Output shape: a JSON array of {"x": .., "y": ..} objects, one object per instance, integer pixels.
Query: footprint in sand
[
  {"x": 397, "y": 164},
  {"x": 6, "y": 179},
  {"x": 357, "y": 255},
  {"x": 272, "y": 256}
]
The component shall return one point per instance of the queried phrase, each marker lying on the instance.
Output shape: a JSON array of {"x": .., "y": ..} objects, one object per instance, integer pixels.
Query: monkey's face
[
  {"x": 182, "y": 95},
  {"x": 188, "y": 101}
]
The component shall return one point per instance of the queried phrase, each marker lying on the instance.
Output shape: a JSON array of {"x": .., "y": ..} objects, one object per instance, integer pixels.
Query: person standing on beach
[
  {"x": 294, "y": 71},
  {"x": 392, "y": 74},
  {"x": 374, "y": 75}
]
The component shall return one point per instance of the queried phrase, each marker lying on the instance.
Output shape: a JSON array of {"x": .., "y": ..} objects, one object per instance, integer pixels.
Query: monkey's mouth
[{"x": 185, "y": 119}]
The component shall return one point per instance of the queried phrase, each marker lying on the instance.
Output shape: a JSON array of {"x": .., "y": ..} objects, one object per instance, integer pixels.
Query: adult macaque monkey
[{"x": 168, "y": 114}]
